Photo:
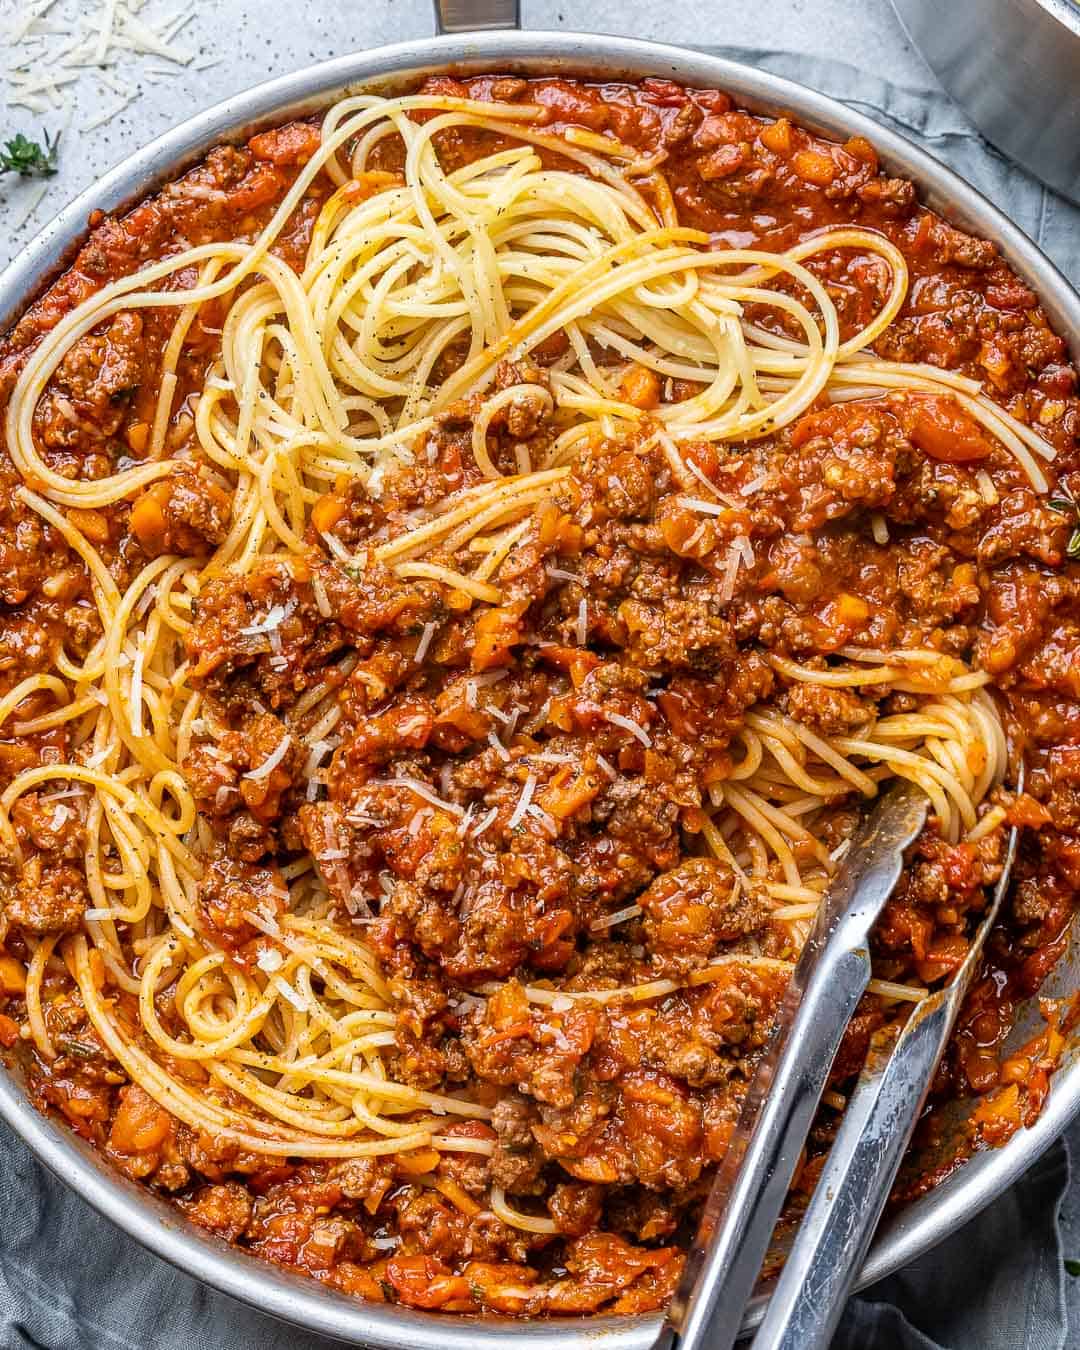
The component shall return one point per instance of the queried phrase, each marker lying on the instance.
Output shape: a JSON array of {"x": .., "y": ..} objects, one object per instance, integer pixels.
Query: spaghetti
[{"x": 539, "y": 295}]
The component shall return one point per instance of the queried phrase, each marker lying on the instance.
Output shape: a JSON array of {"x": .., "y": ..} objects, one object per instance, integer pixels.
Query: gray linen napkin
[{"x": 70, "y": 1281}]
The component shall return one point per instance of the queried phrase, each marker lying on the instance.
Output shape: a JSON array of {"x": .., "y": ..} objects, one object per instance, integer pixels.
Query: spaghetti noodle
[{"x": 436, "y": 414}]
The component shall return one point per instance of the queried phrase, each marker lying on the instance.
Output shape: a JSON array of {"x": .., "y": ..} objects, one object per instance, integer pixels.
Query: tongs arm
[
  {"x": 829, "y": 979},
  {"x": 839, "y": 1223}
]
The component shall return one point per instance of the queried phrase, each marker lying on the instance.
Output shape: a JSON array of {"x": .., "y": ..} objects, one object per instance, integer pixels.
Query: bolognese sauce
[{"x": 491, "y": 789}]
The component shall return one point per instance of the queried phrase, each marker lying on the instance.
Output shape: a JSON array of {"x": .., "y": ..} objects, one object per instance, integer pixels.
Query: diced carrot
[
  {"x": 417, "y": 1162},
  {"x": 942, "y": 430},
  {"x": 9, "y": 1032},
  {"x": 777, "y": 136},
  {"x": 833, "y": 421},
  {"x": 12, "y": 976},
  {"x": 814, "y": 167},
  {"x": 578, "y": 662},
  {"x": 1028, "y": 813},
  {"x": 640, "y": 387},
  {"x": 861, "y": 148},
  {"x": 997, "y": 1116},
  {"x": 139, "y": 1124},
  {"x": 294, "y": 143},
  {"x": 497, "y": 629},
  {"x": 148, "y": 523},
  {"x": 423, "y": 1282},
  {"x": 93, "y": 524},
  {"x": 1015, "y": 1069},
  {"x": 507, "y": 1006},
  {"x": 138, "y": 437},
  {"x": 327, "y": 511},
  {"x": 850, "y": 609},
  {"x": 562, "y": 798},
  {"x": 559, "y": 530}
]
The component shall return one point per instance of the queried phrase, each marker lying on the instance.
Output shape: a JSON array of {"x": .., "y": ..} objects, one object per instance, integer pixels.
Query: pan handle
[{"x": 471, "y": 16}]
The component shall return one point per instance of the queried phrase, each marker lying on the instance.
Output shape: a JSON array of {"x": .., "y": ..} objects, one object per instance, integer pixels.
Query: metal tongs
[{"x": 827, "y": 1252}]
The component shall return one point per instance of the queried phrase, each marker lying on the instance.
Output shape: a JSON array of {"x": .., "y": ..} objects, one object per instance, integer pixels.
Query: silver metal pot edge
[{"x": 152, "y": 1221}]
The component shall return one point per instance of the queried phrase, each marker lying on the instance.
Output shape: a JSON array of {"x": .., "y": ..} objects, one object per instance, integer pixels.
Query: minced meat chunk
[
  {"x": 830, "y": 712},
  {"x": 237, "y": 900},
  {"x": 224, "y": 1210},
  {"x": 186, "y": 514},
  {"x": 86, "y": 401},
  {"x": 691, "y": 910},
  {"x": 49, "y": 897}
]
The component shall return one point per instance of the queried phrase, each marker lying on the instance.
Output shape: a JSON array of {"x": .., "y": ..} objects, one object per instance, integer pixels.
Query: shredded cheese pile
[{"x": 71, "y": 67}]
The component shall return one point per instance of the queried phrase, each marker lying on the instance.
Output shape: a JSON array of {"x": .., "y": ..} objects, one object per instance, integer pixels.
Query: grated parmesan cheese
[
  {"x": 987, "y": 490},
  {"x": 547, "y": 821},
  {"x": 265, "y": 625},
  {"x": 322, "y": 600},
  {"x": 731, "y": 571},
  {"x": 607, "y": 767},
  {"x": 523, "y": 802},
  {"x": 316, "y": 753},
  {"x": 620, "y": 916},
  {"x": 263, "y": 921},
  {"x": 417, "y": 820},
  {"x": 336, "y": 547},
  {"x": 61, "y": 795},
  {"x": 424, "y": 643},
  {"x": 618, "y": 720},
  {"x": 706, "y": 482},
  {"x": 67, "y": 55},
  {"x": 273, "y": 759},
  {"x": 485, "y": 821},
  {"x": 422, "y": 790}
]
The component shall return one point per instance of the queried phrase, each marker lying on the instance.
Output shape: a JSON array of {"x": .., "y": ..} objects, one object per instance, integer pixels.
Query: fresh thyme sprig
[{"x": 28, "y": 159}]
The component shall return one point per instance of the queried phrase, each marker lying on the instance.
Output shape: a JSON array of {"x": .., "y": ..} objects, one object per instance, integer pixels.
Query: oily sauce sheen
[{"x": 608, "y": 1118}]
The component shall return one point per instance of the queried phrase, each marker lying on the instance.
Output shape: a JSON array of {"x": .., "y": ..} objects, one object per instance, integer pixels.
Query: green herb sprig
[
  {"x": 28, "y": 159},
  {"x": 1067, "y": 504}
]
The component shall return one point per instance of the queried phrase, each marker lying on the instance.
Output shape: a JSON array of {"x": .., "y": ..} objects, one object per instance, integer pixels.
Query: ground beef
[
  {"x": 692, "y": 909},
  {"x": 48, "y": 897}
]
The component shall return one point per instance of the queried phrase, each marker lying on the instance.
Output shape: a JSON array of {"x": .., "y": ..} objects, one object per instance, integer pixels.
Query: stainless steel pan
[{"x": 153, "y": 1222}]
